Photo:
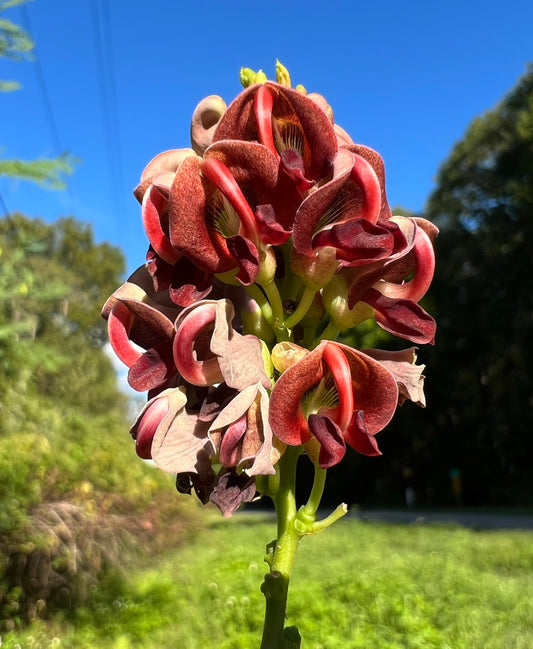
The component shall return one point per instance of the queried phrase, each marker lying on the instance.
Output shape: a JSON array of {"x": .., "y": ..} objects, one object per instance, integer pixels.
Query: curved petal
[
  {"x": 164, "y": 162},
  {"x": 246, "y": 255},
  {"x": 154, "y": 204},
  {"x": 376, "y": 162},
  {"x": 329, "y": 435},
  {"x": 315, "y": 206},
  {"x": 119, "y": 322},
  {"x": 357, "y": 241},
  {"x": 360, "y": 439},
  {"x": 248, "y": 119},
  {"x": 403, "y": 318},
  {"x": 287, "y": 419},
  {"x": 204, "y": 121},
  {"x": 190, "y": 231},
  {"x": 180, "y": 443},
  {"x": 153, "y": 369},
  {"x": 192, "y": 355},
  {"x": 246, "y": 436},
  {"x": 240, "y": 357},
  {"x": 423, "y": 258},
  {"x": 374, "y": 388},
  {"x": 402, "y": 365}
]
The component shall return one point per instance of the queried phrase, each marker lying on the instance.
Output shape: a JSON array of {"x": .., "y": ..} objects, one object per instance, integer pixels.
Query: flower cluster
[{"x": 268, "y": 238}]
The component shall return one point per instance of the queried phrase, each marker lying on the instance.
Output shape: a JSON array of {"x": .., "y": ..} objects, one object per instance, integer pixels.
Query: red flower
[
  {"x": 332, "y": 396},
  {"x": 292, "y": 126}
]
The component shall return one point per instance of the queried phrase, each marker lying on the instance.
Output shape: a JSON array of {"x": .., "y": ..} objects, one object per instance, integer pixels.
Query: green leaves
[{"x": 48, "y": 172}]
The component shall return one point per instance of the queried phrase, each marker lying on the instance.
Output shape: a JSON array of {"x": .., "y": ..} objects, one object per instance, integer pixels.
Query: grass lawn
[{"x": 356, "y": 586}]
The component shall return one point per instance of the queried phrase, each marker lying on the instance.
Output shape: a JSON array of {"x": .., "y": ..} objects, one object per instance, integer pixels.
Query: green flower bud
[
  {"x": 335, "y": 300},
  {"x": 267, "y": 266},
  {"x": 282, "y": 74},
  {"x": 248, "y": 77},
  {"x": 315, "y": 271}
]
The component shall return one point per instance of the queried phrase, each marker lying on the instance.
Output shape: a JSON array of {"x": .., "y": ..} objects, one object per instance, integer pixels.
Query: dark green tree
[
  {"x": 481, "y": 370},
  {"x": 479, "y": 412}
]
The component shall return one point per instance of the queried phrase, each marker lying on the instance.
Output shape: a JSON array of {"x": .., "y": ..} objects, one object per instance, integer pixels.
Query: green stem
[
  {"x": 303, "y": 307},
  {"x": 292, "y": 525},
  {"x": 276, "y": 584},
  {"x": 258, "y": 295},
  {"x": 310, "y": 508},
  {"x": 329, "y": 333},
  {"x": 278, "y": 324}
]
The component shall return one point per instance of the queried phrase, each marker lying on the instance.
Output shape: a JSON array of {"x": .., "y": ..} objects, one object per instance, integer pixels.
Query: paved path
[{"x": 466, "y": 519}]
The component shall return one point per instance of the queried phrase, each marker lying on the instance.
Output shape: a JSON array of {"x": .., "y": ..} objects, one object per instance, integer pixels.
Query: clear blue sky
[{"x": 122, "y": 78}]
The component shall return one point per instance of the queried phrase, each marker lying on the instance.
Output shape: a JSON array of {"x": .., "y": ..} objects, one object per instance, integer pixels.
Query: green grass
[{"x": 356, "y": 586}]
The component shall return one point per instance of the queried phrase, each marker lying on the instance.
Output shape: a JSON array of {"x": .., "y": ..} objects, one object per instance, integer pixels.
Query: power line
[
  {"x": 46, "y": 98},
  {"x": 103, "y": 43},
  {"x": 4, "y": 206}
]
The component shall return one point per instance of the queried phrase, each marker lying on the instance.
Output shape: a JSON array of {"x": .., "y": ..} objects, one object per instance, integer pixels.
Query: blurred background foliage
[{"x": 75, "y": 500}]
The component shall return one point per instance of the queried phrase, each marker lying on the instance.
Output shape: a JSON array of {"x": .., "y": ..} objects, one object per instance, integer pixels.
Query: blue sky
[{"x": 122, "y": 78}]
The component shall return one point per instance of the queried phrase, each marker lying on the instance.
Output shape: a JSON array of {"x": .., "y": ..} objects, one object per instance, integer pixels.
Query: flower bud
[
  {"x": 335, "y": 300},
  {"x": 285, "y": 354},
  {"x": 282, "y": 74},
  {"x": 315, "y": 271},
  {"x": 248, "y": 77},
  {"x": 267, "y": 266}
]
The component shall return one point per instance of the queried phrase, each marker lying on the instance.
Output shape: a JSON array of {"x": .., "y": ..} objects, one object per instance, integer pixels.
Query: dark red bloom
[{"x": 334, "y": 395}]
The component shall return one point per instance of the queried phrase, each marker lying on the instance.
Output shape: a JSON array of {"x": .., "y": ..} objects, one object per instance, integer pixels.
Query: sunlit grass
[{"x": 358, "y": 585}]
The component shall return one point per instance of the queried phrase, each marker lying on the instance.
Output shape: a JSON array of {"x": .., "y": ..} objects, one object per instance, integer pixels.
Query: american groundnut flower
[
  {"x": 267, "y": 238},
  {"x": 333, "y": 396}
]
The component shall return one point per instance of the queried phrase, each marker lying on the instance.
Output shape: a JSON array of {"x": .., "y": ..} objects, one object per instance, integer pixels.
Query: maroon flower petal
[
  {"x": 119, "y": 323},
  {"x": 358, "y": 437},
  {"x": 270, "y": 231},
  {"x": 154, "y": 211},
  {"x": 314, "y": 207},
  {"x": 376, "y": 162},
  {"x": 165, "y": 162},
  {"x": 190, "y": 231},
  {"x": 192, "y": 354},
  {"x": 332, "y": 445},
  {"x": 286, "y": 416},
  {"x": 230, "y": 452},
  {"x": 153, "y": 369},
  {"x": 422, "y": 258},
  {"x": 247, "y": 118},
  {"x": 357, "y": 241},
  {"x": 374, "y": 388},
  {"x": 403, "y": 318},
  {"x": 292, "y": 164},
  {"x": 246, "y": 256}
]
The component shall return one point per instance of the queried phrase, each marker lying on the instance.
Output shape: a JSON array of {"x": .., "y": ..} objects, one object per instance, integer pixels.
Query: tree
[
  {"x": 481, "y": 368},
  {"x": 17, "y": 45}
]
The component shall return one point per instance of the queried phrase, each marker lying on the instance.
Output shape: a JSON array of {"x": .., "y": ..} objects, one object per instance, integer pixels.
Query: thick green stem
[
  {"x": 302, "y": 308},
  {"x": 292, "y": 526},
  {"x": 276, "y": 584},
  {"x": 262, "y": 301},
  {"x": 278, "y": 324},
  {"x": 329, "y": 333}
]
